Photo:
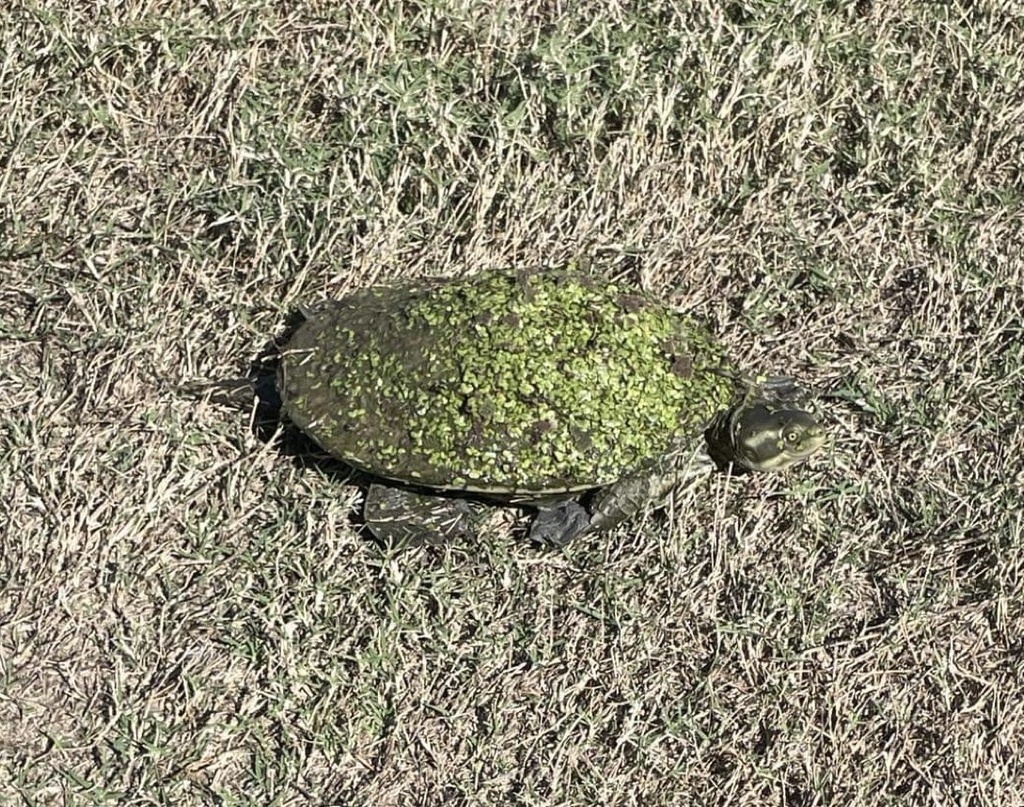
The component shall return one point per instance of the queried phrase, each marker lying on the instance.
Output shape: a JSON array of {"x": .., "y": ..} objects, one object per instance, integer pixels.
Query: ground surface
[{"x": 186, "y": 615}]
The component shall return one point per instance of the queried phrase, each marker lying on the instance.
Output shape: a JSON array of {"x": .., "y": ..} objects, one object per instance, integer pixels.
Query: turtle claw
[
  {"x": 556, "y": 526},
  {"x": 399, "y": 517}
]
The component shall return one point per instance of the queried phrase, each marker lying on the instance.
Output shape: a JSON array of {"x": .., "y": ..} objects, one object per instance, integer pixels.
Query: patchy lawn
[{"x": 187, "y": 615}]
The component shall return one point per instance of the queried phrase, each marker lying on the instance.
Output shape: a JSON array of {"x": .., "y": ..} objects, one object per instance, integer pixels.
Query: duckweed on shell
[{"x": 502, "y": 382}]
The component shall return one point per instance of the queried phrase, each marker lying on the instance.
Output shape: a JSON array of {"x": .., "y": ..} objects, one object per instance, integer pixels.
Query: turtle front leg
[
  {"x": 555, "y": 526},
  {"x": 614, "y": 504},
  {"x": 560, "y": 523},
  {"x": 777, "y": 390},
  {"x": 399, "y": 517},
  {"x": 618, "y": 502}
]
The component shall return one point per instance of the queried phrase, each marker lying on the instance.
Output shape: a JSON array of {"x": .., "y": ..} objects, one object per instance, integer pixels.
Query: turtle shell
[{"x": 512, "y": 383}]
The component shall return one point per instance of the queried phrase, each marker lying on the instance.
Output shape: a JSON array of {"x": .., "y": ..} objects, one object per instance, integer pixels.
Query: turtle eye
[{"x": 792, "y": 437}]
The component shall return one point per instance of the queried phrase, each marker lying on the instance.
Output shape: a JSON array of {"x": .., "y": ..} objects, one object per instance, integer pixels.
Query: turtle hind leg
[
  {"x": 403, "y": 518},
  {"x": 557, "y": 525}
]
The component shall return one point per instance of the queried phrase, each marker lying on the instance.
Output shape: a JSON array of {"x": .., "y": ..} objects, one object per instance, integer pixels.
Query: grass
[{"x": 186, "y": 614}]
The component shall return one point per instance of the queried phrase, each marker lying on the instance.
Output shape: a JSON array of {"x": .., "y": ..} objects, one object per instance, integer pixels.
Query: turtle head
[{"x": 759, "y": 437}]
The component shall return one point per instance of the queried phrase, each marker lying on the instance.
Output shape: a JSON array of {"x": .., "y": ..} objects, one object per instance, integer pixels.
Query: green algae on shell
[{"x": 503, "y": 382}]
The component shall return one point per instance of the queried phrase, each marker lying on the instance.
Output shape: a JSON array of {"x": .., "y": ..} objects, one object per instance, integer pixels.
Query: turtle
[{"x": 559, "y": 392}]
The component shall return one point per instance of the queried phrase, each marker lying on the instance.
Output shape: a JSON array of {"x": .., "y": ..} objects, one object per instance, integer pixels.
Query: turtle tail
[{"x": 237, "y": 393}]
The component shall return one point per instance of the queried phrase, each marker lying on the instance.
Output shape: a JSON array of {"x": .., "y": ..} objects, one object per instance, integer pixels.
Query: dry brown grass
[{"x": 186, "y": 615}]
